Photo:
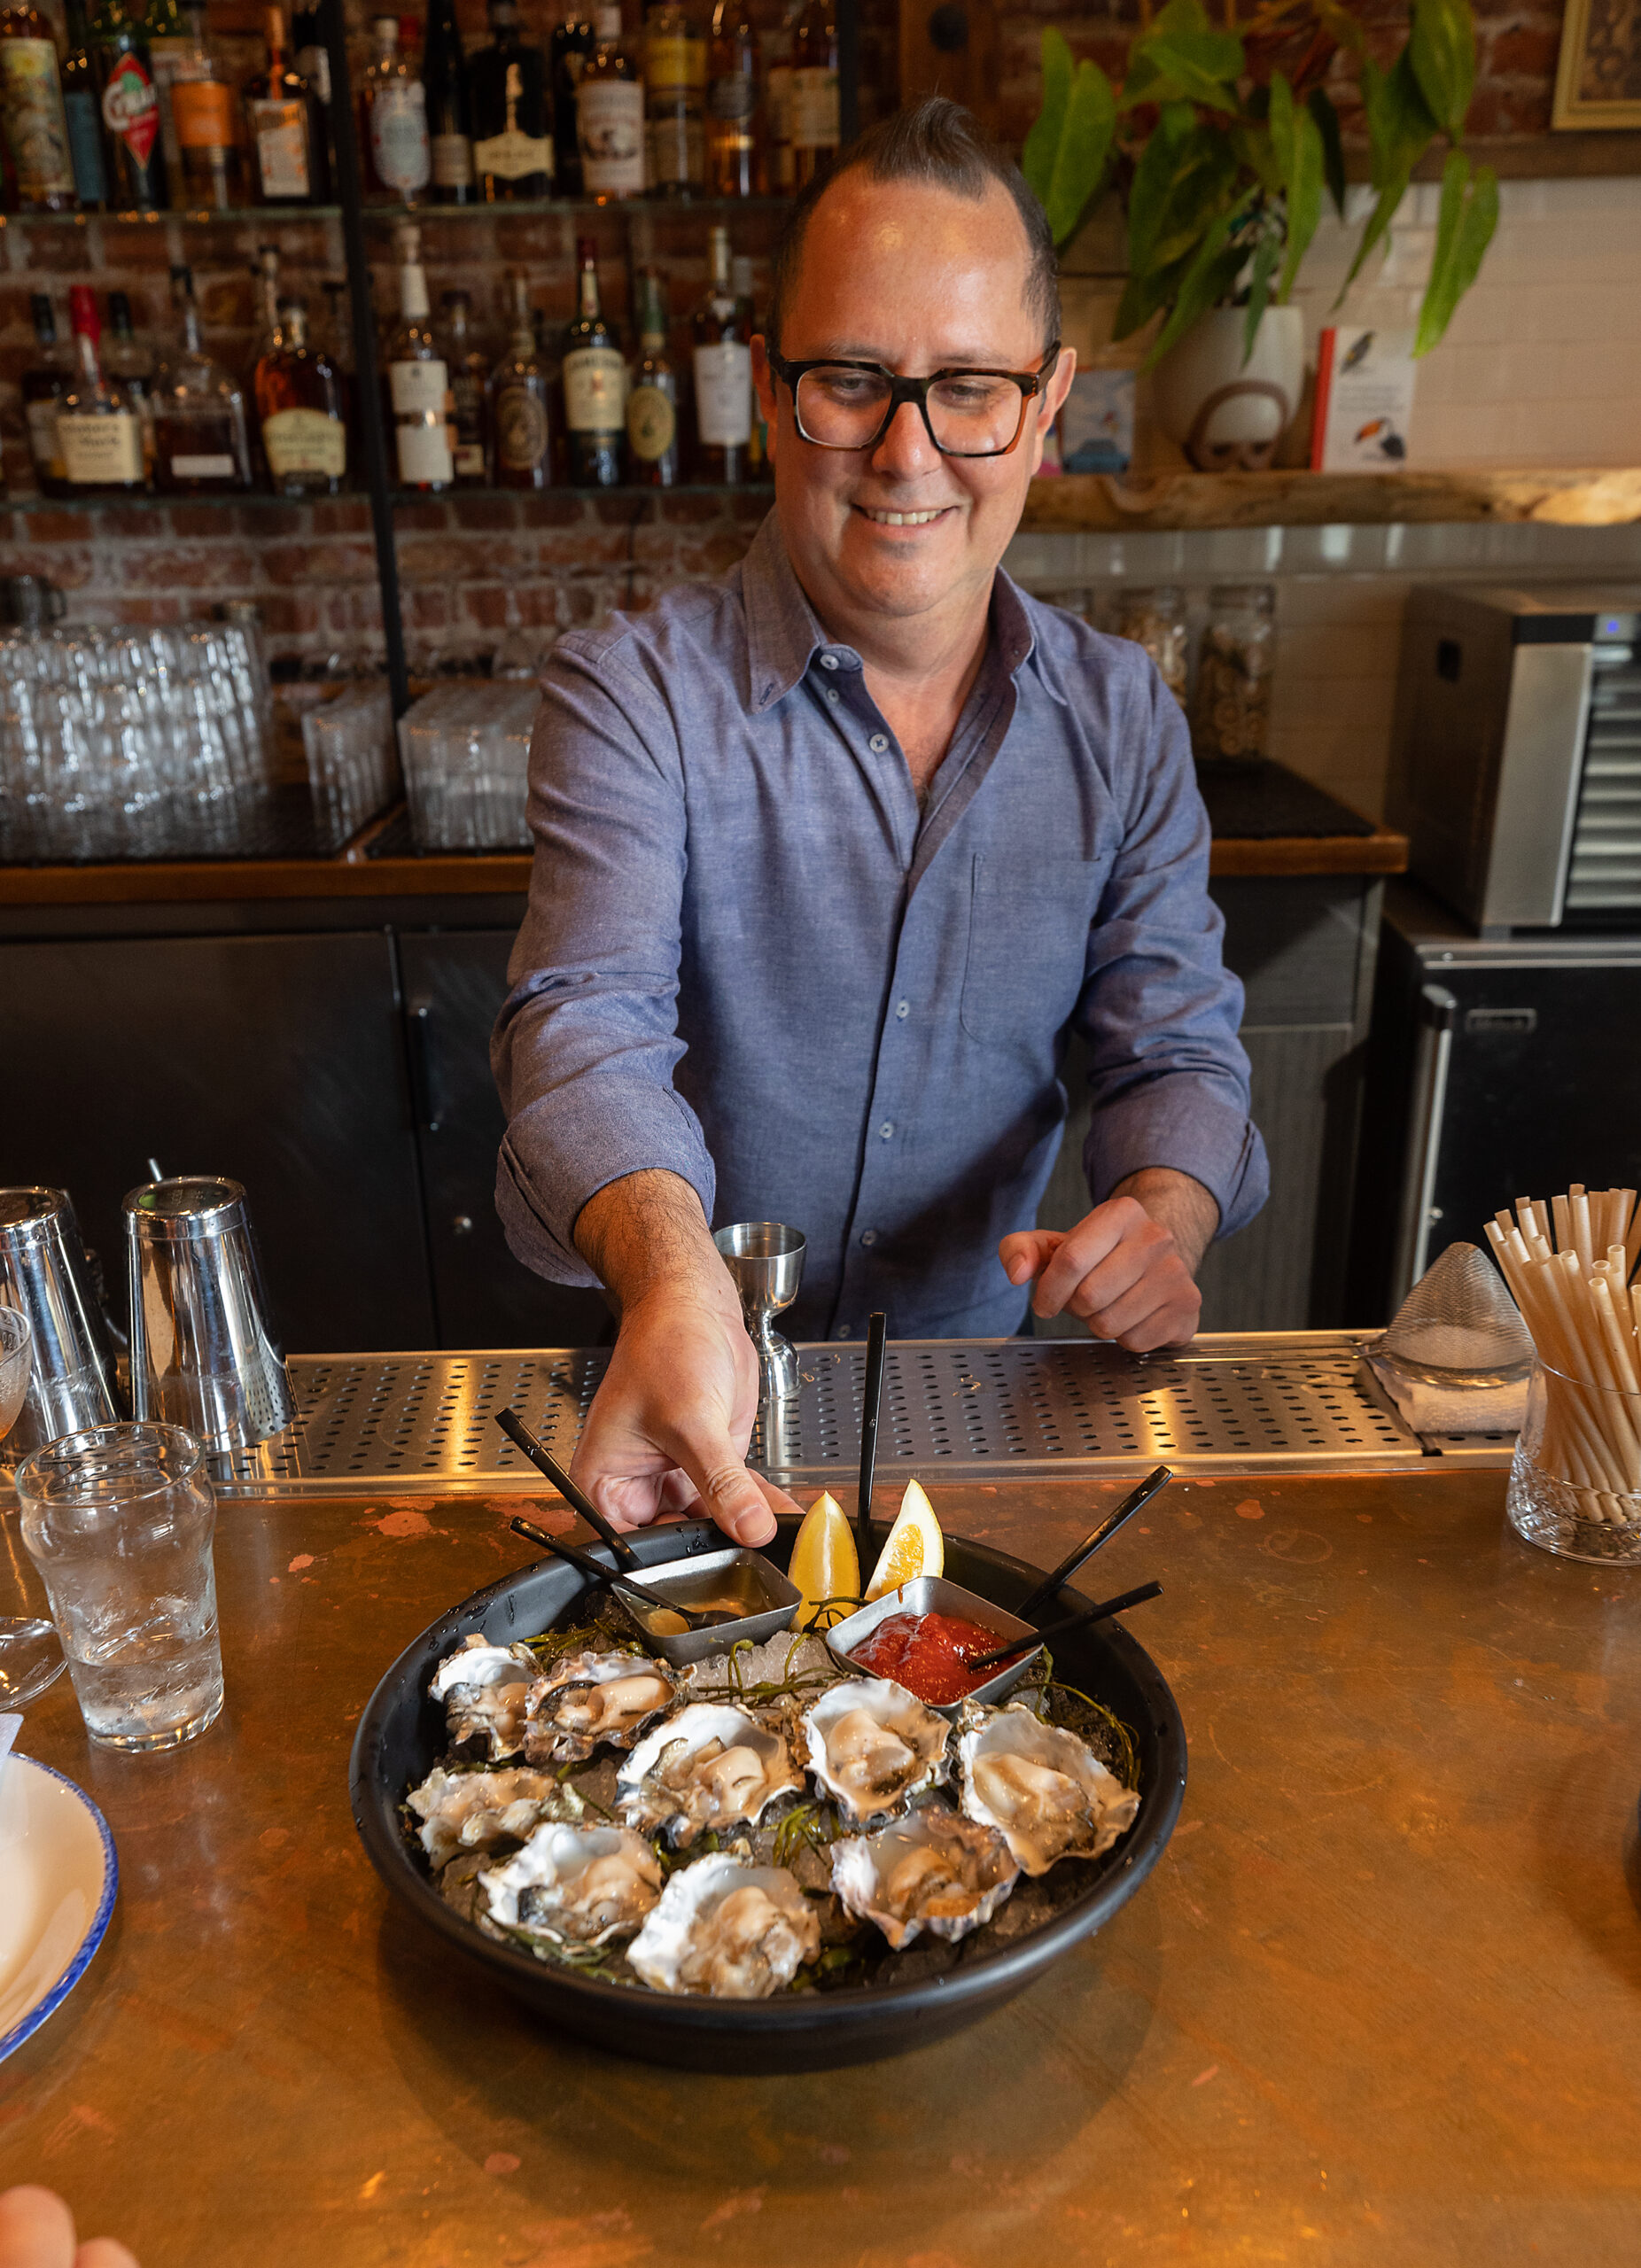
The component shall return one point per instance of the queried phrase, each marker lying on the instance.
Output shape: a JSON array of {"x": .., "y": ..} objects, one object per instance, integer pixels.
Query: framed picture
[{"x": 1598, "y": 74}]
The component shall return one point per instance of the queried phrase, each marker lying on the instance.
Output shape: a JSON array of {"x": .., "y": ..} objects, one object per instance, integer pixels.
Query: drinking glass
[
  {"x": 1576, "y": 1479},
  {"x": 118, "y": 1518},
  {"x": 30, "y": 1656}
]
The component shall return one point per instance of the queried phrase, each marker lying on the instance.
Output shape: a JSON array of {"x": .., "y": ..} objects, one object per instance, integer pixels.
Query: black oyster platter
[{"x": 403, "y": 1735}]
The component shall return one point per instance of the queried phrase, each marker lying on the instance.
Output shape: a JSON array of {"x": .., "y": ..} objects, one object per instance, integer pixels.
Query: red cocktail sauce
[{"x": 928, "y": 1653}]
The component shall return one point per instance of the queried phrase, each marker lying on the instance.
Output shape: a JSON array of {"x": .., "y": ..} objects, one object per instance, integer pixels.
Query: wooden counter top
[{"x": 1380, "y": 2000}]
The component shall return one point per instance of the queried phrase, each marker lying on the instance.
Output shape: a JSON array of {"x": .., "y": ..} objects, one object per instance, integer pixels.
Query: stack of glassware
[
  {"x": 352, "y": 770},
  {"x": 465, "y": 751},
  {"x": 118, "y": 742}
]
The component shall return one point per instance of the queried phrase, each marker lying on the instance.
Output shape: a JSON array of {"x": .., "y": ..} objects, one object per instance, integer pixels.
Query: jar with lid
[
  {"x": 1231, "y": 715},
  {"x": 1156, "y": 618}
]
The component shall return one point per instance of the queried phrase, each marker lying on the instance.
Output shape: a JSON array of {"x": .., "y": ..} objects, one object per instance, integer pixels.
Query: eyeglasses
[{"x": 966, "y": 413}]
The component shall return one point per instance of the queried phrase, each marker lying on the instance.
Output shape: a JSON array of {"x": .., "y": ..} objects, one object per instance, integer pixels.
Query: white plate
[{"x": 59, "y": 1875}]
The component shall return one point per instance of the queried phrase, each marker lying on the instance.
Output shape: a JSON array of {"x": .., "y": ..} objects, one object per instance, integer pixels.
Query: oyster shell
[
  {"x": 581, "y": 1886},
  {"x": 474, "y": 1811},
  {"x": 1044, "y": 1788},
  {"x": 872, "y": 1747},
  {"x": 737, "y": 1931},
  {"x": 484, "y": 1688},
  {"x": 930, "y": 1871},
  {"x": 708, "y": 1766},
  {"x": 585, "y": 1700}
]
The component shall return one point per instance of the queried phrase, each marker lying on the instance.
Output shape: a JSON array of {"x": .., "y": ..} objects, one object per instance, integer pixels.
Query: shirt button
[
  {"x": 842, "y": 1332},
  {"x": 886, "y": 1130},
  {"x": 868, "y": 1236},
  {"x": 903, "y": 1009},
  {"x": 831, "y": 694},
  {"x": 828, "y": 661},
  {"x": 878, "y": 743}
]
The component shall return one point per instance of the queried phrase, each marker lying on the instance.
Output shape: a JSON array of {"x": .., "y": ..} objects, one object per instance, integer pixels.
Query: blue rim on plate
[{"x": 31, "y": 2022}]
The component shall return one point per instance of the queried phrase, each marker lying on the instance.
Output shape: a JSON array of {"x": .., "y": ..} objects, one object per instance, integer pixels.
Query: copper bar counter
[{"x": 1380, "y": 2002}]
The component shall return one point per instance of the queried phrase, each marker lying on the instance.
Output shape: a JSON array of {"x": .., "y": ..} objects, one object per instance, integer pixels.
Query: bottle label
[
  {"x": 131, "y": 107},
  {"x": 42, "y": 442},
  {"x": 204, "y": 112},
  {"x": 815, "y": 110},
  {"x": 425, "y": 451},
  {"x": 521, "y": 430},
  {"x": 314, "y": 63},
  {"x": 203, "y": 468},
  {"x": 453, "y": 162},
  {"x": 399, "y": 147},
  {"x": 305, "y": 441},
  {"x": 419, "y": 389},
  {"x": 594, "y": 390},
  {"x": 281, "y": 132},
  {"x": 511, "y": 155},
  {"x": 651, "y": 423},
  {"x": 674, "y": 64},
  {"x": 734, "y": 97},
  {"x": 677, "y": 149},
  {"x": 101, "y": 448},
  {"x": 31, "y": 98},
  {"x": 724, "y": 394},
  {"x": 610, "y": 123},
  {"x": 85, "y": 143}
]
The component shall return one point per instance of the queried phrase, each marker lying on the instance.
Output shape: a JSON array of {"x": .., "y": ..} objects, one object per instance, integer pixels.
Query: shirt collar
[{"x": 783, "y": 633}]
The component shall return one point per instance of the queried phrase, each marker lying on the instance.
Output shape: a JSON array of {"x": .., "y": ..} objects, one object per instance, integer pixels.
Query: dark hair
[{"x": 939, "y": 142}]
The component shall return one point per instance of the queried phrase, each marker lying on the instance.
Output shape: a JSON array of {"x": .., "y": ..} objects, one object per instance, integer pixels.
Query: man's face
[{"x": 919, "y": 280}]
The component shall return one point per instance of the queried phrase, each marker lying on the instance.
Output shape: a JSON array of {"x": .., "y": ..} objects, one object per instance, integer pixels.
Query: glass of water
[{"x": 118, "y": 1520}]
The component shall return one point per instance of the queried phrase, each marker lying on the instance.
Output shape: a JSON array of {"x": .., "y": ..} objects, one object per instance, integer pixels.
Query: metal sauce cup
[
  {"x": 933, "y": 1595},
  {"x": 704, "y": 1578}
]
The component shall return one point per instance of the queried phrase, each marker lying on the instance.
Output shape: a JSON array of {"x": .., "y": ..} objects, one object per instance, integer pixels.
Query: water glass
[
  {"x": 118, "y": 1520},
  {"x": 1576, "y": 1479}
]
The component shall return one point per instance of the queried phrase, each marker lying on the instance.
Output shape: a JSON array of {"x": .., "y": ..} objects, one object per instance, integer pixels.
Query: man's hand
[
  {"x": 1128, "y": 1268},
  {"x": 37, "y": 2231},
  {"x": 669, "y": 1426}
]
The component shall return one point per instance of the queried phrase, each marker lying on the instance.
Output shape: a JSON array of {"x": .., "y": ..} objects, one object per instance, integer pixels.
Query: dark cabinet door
[
  {"x": 454, "y": 983},
  {"x": 275, "y": 1061}
]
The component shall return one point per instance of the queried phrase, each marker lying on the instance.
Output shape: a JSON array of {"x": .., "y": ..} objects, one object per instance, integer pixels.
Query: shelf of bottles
[{"x": 708, "y": 113}]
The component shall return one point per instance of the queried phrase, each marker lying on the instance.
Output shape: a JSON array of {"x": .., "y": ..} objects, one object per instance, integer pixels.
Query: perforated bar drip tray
[{"x": 953, "y": 1409}]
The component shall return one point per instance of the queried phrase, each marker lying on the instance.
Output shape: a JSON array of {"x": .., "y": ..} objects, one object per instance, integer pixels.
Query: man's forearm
[
  {"x": 647, "y": 1230},
  {"x": 1178, "y": 1204}
]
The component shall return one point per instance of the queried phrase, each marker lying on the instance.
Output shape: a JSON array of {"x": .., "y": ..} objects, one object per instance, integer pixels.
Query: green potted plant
[{"x": 1222, "y": 143}]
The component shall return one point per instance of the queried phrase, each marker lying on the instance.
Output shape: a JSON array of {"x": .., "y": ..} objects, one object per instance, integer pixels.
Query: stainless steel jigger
[
  {"x": 203, "y": 1350},
  {"x": 766, "y": 1261}
]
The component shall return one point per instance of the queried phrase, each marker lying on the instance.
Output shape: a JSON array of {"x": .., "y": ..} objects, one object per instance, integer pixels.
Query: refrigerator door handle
[{"x": 1433, "y": 1051}]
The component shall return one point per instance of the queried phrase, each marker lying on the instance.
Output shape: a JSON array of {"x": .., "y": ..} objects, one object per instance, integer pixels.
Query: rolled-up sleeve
[
  {"x": 586, "y": 1042},
  {"x": 1159, "y": 1010}
]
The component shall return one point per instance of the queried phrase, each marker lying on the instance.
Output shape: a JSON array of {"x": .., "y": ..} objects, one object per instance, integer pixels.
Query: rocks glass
[
  {"x": 1575, "y": 1480},
  {"x": 118, "y": 1520}
]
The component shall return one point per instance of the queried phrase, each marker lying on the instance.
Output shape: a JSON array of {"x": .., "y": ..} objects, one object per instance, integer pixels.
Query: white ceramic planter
[{"x": 1227, "y": 415}]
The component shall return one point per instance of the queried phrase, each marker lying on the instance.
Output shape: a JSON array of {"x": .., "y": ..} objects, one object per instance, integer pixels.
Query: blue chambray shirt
[{"x": 752, "y": 959}]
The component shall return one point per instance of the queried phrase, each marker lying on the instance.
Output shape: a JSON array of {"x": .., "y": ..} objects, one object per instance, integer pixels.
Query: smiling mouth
[{"x": 903, "y": 519}]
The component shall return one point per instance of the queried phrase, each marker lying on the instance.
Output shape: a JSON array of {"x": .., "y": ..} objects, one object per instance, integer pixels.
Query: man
[{"x": 831, "y": 854}]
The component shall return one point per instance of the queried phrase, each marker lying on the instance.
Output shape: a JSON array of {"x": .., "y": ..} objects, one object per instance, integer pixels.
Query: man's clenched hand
[{"x": 1127, "y": 1269}]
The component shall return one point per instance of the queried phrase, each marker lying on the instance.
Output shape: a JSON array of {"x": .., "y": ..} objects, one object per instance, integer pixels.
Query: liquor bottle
[
  {"x": 299, "y": 409},
  {"x": 393, "y": 121},
  {"x": 775, "y": 43},
  {"x": 128, "y": 361},
  {"x": 468, "y": 379},
  {"x": 567, "y": 52},
  {"x": 512, "y": 124},
  {"x": 652, "y": 404},
  {"x": 310, "y": 54},
  {"x": 285, "y": 125},
  {"x": 99, "y": 429},
  {"x": 268, "y": 334},
  {"x": 815, "y": 125},
  {"x": 610, "y": 115},
  {"x": 520, "y": 392},
  {"x": 202, "y": 443},
  {"x": 45, "y": 382},
  {"x": 338, "y": 341},
  {"x": 732, "y": 102},
  {"x": 130, "y": 108},
  {"x": 723, "y": 374},
  {"x": 418, "y": 380},
  {"x": 31, "y": 105},
  {"x": 675, "y": 99},
  {"x": 202, "y": 110},
  {"x": 170, "y": 46},
  {"x": 83, "y": 105},
  {"x": 757, "y": 466},
  {"x": 595, "y": 383},
  {"x": 449, "y": 107}
]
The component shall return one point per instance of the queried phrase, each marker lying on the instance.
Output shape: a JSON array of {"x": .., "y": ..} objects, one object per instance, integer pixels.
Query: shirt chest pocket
[{"x": 1028, "y": 945}]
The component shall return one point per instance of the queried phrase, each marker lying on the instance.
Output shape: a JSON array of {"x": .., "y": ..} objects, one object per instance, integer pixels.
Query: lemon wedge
[
  {"x": 915, "y": 1545},
  {"x": 825, "y": 1567}
]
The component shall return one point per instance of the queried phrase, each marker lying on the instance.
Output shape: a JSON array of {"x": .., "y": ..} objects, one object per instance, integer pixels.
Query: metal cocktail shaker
[
  {"x": 43, "y": 1272},
  {"x": 204, "y": 1355}
]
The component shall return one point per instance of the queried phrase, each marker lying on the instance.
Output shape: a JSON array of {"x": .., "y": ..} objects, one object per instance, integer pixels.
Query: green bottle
[{"x": 130, "y": 108}]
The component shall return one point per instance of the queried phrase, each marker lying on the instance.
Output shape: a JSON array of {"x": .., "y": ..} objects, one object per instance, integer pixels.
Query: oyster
[
  {"x": 474, "y": 1811},
  {"x": 930, "y": 1871},
  {"x": 483, "y": 1689},
  {"x": 738, "y": 1931},
  {"x": 587, "y": 1698},
  {"x": 1043, "y": 1787},
  {"x": 708, "y": 1766},
  {"x": 874, "y": 1746},
  {"x": 581, "y": 1886}
]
